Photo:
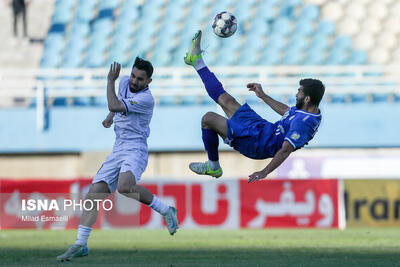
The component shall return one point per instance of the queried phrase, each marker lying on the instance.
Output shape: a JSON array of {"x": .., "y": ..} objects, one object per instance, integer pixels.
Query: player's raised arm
[
  {"x": 114, "y": 105},
  {"x": 276, "y": 161},
  {"x": 277, "y": 106}
]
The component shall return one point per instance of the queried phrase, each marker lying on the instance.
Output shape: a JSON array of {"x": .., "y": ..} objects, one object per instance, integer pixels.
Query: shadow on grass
[{"x": 202, "y": 257}]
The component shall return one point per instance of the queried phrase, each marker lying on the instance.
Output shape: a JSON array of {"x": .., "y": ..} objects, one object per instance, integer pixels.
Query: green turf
[{"x": 352, "y": 247}]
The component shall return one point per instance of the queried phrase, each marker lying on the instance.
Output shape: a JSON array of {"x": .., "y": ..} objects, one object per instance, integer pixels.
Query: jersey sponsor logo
[
  {"x": 295, "y": 136},
  {"x": 132, "y": 102}
]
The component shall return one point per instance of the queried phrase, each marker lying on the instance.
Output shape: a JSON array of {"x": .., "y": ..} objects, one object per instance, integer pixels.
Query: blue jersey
[
  {"x": 297, "y": 127},
  {"x": 257, "y": 138}
]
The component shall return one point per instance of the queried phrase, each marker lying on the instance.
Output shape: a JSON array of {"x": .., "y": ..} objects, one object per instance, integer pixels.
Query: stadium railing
[{"x": 41, "y": 86}]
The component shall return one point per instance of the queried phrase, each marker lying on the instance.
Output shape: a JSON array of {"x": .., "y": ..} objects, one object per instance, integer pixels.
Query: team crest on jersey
[
  {"x": 295, "y": 136},
  {"x": 132, "y": 102}
]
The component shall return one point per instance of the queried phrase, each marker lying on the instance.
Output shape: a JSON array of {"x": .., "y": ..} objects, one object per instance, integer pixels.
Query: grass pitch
[{"x": 352, "y": 247}]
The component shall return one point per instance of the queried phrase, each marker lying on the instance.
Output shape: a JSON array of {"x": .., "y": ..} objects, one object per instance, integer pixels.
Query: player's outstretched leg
[{"x": 193, "y": 57}]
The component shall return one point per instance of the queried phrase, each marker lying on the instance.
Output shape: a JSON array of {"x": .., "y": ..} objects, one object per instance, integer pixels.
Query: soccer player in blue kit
[
  {"x": 245, "y": 130},
  {"x": 131, "y": 112}
]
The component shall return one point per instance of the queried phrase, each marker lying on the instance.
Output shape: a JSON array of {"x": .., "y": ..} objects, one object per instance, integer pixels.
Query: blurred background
[{"x": 53, "y": 85}]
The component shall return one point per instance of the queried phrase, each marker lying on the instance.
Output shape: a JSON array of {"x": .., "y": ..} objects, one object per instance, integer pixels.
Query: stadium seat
[
  {"x": 282, "y": 26},
  {"x": 293, "y": 56},
  {"x": 91, "y": 33}
]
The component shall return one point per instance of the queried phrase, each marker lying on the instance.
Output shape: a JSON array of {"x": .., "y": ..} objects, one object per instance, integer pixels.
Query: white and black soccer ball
[{"x": 224, "y": 24}]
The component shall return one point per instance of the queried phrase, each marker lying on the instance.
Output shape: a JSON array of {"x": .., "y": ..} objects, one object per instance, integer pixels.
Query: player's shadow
[{"x": 192, "y": 256}]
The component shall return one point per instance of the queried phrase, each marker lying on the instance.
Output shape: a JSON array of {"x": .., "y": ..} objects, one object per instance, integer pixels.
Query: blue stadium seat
[
  {"x": 61, "y": 16},
  {"x": 276, "y": 40},
  {"x": 72, "y": 59},
  {"x": 50, "y": 60},
  {"x": 310, "y": 12},
  {"x": 304, "y": 27},
  {"x": 243, "y": 10},
  {"x": 85, "y": 10},
  {"x": 380, "y": 97},
  {"x": 271, "y": 56},
  {"x": 326, "y": 27},
  {"x": 266, "y": 10},
  {"x": 319, "y": 41},
  {"x": 226, "y": 57},
  {"x": 248, "y": 57},
  {"x": 217, "y": 6},
  {"x": 337, "y": 56},
  {"x": 109, "y": 4},
  {"x": 359, "y": 98},
  {"x": 342, "y": 42},
  {"x": 268, "y": 4},
  {"x": 298, "y": 41},
  {"x": 282, "y": 26},
  {"x": 168, "y": 101},
  {"x": 91, "y": 33},
  {"x": 293, "y": 56},
  {"x": 117, "y": 55},
  {"x": 259, "y": 26},
  {"x": 253, "y": 43},
  {"x": 338, "y": 98},
  {"x": 160, "y": 57},
  {"x": 358, "y": 57},
  {"x": 314, "y": 57}
]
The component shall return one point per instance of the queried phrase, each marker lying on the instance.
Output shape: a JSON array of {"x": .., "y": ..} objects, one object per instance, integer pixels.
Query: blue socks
[
  {"x": 213, "y": 86},
  {"x": 211, "y": 142}
]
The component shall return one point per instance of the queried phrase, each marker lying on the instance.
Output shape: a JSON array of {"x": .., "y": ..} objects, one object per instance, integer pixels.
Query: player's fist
[
  {"x": 257, "y": 176},
  {"x": 114, "y": 71},
  {"x": 107, "y": 123},
  {"x": 256, "y": 88}
]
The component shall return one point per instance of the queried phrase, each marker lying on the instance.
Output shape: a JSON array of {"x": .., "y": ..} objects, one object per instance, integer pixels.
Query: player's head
[
  {"x": 310, "y": 93},
  {"x": 140, "y": 75}
]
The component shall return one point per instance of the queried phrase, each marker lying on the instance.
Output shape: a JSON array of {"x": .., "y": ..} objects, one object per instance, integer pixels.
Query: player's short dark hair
[
  {"x": 313, "y": 88},
  {"x": 145, "y": 65}
]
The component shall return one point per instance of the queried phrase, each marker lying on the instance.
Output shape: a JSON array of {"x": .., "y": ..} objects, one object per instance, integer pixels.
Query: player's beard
[
  {"x": 300, "y": 103},
  {"x": 135, "y": 89}
]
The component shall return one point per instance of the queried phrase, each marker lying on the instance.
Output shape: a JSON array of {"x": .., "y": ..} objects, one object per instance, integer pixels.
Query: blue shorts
[{"x": 248, "y": 133}]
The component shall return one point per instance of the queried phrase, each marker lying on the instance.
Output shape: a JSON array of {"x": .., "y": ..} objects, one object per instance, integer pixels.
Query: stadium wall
[
  {"x": 177, "y": 128},
  {"x": 304, "y": 163}
]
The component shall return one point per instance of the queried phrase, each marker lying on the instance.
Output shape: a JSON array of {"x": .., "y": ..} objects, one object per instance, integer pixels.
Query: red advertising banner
[
  {"x": 289, "y": 203},
  {"x": 44, "y": 204}
]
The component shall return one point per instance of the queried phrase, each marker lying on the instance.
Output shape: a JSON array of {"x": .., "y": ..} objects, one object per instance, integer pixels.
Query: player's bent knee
[{"x": 207, "y": 119}]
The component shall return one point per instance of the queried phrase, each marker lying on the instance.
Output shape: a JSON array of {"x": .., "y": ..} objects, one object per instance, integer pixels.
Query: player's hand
[
  {"x": 256, "y": 176},
  {"x": 113, "y": 73},
  {"x": 256, "y": 88},
  {"x": 107, "y": 123}
]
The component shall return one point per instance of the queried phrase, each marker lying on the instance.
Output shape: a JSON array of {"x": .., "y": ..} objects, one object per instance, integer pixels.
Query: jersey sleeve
[
  {"x": 299, "y": 133},
  {"x": 141, "y": 103}
]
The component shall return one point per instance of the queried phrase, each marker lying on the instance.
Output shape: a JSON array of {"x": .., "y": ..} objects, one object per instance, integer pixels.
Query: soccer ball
[{"x": 224, "y": 24}]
